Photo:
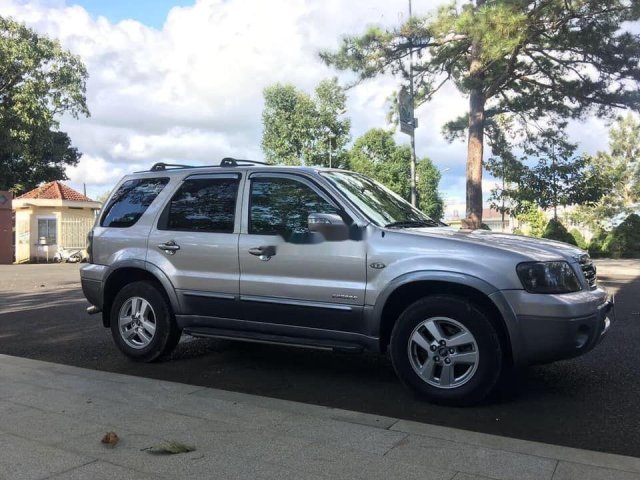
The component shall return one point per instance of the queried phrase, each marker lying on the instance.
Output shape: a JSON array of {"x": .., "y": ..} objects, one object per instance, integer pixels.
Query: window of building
[{"x": 47, "y": 230}]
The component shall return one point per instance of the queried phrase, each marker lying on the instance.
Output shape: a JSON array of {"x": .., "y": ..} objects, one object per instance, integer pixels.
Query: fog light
[{"x": 582, "y": 337}]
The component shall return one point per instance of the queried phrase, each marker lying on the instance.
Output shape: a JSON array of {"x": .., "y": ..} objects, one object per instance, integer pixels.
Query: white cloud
[{"x": 192, "y": 91}]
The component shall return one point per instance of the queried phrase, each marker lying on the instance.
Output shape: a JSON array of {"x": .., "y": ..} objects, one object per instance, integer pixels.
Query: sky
[{"x": 182, "y": 81}]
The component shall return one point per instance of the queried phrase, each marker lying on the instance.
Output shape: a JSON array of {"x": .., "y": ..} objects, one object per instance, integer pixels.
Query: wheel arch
[
  {"x": 404, "y": 290},
  {"x": 130, "y": 272}
]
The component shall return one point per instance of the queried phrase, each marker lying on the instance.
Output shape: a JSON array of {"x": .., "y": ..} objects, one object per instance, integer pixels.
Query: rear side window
[
  {"x": 204, "y": 205},
  {"x": 131, "y": 200}
]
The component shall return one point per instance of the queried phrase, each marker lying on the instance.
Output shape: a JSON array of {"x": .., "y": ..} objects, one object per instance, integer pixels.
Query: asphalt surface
[{"x": 591, "y": 402}]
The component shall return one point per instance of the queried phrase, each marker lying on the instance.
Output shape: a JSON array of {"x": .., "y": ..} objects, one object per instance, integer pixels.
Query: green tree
[
  {"x": 300, "y": 129},
  {"x": 533, "y": 219},
  {"x": 548, "y": 174},
  {"x": 579, "y": 238},
  {"x": 377, "y": 155},
  {"x": 525, "y": 59},
  {"x": 39, "y": 81},
  {"x": 555, "y": 230},
  {"x": 620, "y": 170},
  {"x": 624, "y": 240},
  {"x": 333, "y": 130}
]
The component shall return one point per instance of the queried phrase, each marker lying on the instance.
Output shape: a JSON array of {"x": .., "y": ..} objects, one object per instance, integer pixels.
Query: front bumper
[{"x": 581, "y": 322}]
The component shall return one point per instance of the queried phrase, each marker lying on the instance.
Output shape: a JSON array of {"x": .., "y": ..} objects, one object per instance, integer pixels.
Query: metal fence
[{"x": 73, "y": 232}]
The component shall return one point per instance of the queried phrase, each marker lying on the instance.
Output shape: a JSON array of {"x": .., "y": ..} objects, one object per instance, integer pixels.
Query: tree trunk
[
  {"x": 475, "y": 144},
  {"x": 474, "y": 160}
]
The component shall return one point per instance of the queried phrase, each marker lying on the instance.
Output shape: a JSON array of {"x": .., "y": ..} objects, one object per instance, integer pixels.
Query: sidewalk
[{"x": 52, "y": 418}]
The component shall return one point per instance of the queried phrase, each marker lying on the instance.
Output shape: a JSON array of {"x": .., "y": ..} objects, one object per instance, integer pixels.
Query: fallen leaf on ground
[
  {"x": 110, "y": 439},
  {"x": 171, "y": 447}
]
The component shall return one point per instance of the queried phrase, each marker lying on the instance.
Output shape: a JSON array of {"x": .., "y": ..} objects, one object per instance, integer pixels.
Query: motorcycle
[{"x": 68, "y": 255}]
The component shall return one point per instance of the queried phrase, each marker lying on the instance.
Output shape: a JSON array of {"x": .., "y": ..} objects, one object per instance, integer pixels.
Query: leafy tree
[
  {"x": 624, "y": 240},
  {"x": 289, "y": 123},
  {"x": 555, "y": 230},
  {"x": 377, "y": 155},
  {"x": 333, "y": 129},
  {"x": 596, "y": 245},
  {"x": 579, "y": 238},
  {"x": 299, "y": 129},
  {"x": 524, "y": 59},
  {"x": 427, "y": 180},
  {"x": 557, "y": 178},
  {"x": 620, "y": 170},
  {"x": 39, "y": 81},
  {"x": 533, "y": 218}
]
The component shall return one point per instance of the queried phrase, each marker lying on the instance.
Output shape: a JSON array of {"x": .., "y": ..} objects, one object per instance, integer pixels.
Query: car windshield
[{"x": 379, "y": 204}]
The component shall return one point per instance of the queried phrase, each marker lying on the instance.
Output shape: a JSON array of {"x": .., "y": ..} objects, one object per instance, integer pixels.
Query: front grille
[{"x": 588, "y": 269}]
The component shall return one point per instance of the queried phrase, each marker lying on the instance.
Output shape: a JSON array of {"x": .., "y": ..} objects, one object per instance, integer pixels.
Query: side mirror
[{"x": 330, "y": 225}]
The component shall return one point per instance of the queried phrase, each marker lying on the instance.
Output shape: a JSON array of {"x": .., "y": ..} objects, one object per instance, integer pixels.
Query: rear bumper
[
  {"x": 92, "y": 281},
  {"x": 547, "y": 339}
]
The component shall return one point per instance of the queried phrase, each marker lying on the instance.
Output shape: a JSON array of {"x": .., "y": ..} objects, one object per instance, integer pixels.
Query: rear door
[{"x": 195, "y": 242}]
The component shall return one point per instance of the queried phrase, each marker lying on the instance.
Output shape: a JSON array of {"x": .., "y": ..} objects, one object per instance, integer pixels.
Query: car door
[
  {"x": 195, "y": 242},
  {"x": 288, "y": 275}
]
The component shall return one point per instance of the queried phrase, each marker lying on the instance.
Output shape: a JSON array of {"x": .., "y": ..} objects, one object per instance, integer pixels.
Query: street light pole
[{"x": 414, "y": 196}]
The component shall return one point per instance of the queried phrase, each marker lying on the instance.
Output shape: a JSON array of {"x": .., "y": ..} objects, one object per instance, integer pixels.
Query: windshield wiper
[{"x": 412, "y": 224}]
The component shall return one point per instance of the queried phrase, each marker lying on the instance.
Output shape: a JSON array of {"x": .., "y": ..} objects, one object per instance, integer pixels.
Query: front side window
[
  {"x": 204, "y": 205},
  {"x": 281, "y": 206},
  {"x": 47, "y": 230},
  {"x": 131, "y": 200}
]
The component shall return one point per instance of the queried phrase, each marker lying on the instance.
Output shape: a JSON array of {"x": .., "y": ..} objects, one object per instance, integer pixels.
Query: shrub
[
  {"x": 596, "y": 246},
  {"x": 579, "y": 238},
  {"x": 556, "y": 231},
  {"x": 624, "y": 240}
]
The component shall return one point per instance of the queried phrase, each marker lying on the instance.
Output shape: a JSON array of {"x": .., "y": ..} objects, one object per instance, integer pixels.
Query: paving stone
[
  {"x": 557, "y": 452},
  {"x": 576, "y": 471},
  {"x": 497, "y": 464},
  {"x": 102, "y": 471},
  {"x": 339, "y": 462},
  {"x": 22, "y": 459},
  {"x": 349, "y": 435}
]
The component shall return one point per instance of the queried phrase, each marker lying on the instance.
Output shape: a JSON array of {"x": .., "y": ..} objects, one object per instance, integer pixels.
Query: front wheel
[
  {"x": 446, "y": 349},
  {"x": 142, "y": 323}
]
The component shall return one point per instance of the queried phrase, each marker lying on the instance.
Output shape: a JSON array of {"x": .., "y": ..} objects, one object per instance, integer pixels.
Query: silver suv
[{"x": 331, "y": 259}]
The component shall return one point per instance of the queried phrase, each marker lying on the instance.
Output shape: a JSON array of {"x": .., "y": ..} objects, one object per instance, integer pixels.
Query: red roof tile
[{"x": 55, "y": 191}]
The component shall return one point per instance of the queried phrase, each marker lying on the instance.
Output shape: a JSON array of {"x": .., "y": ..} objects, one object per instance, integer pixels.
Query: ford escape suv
[{"x": 331, "y": 259}]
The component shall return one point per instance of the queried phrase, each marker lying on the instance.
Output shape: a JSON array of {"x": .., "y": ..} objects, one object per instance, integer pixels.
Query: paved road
[{"x": 590, "y": 402}]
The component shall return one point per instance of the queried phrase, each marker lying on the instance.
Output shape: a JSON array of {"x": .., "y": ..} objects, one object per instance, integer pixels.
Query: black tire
[
  {"x": 166, "y": 335},
  {"x": 489, "y": 363}
]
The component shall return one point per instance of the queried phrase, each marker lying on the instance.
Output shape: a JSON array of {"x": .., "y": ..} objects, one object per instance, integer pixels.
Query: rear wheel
[
  {"x": 446, "y": 349},
  {"x": 142, "y": 323}
]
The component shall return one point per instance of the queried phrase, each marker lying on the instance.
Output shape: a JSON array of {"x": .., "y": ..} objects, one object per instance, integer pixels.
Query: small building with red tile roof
[{"x": 50, "y": 217}]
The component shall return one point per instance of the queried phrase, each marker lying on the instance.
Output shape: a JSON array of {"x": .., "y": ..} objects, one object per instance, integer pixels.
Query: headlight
[{"x": 548, "y": 277}]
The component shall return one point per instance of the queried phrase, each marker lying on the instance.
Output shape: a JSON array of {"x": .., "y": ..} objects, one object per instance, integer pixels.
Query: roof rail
[
  {"x": 234, "y": 162},
  {"x": 163, "y": 166},
  {"x": 225, "y": 162}
]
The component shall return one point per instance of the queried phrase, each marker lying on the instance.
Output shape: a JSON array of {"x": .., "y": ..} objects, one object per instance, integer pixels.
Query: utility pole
[{"x": 414, "y": 196}]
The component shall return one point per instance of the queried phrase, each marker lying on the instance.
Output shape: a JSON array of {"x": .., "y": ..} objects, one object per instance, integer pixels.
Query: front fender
[{"x": 491, "y": 293}]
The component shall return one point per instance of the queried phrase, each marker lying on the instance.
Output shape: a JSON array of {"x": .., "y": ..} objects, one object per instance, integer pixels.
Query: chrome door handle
[
  {"x": 264, "y": 253},
  {"x": 170, "y": 247}
]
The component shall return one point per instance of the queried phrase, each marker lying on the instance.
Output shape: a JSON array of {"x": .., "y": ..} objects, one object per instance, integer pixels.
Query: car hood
[{"x": 529, "y": 247}]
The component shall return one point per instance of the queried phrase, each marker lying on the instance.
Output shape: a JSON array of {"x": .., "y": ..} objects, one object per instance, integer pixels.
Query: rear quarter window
[{"x": 131, "y": 200}]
